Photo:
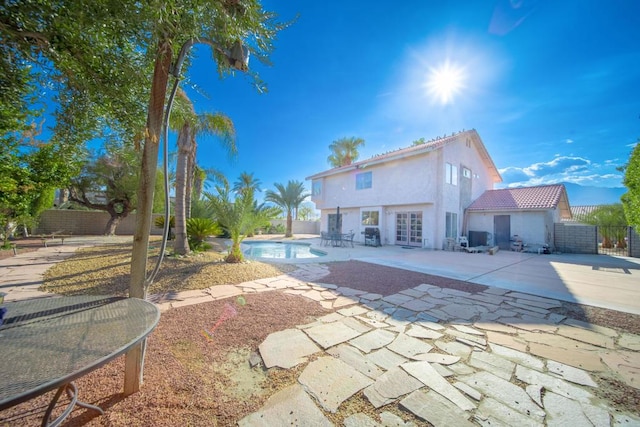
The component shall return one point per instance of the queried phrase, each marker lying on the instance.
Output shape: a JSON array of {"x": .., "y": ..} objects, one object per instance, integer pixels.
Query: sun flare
[{"x": 445, "y": 81}]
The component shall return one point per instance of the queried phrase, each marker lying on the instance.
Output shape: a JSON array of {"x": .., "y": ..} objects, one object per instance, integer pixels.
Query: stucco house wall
[
  {"x": 413, "y": 179},
  {"x": 535, "y": 228}
]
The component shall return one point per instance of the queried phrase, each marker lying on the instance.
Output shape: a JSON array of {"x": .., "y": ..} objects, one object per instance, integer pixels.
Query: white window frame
[
  {"x": 364, "y": 180},
  {"x": 451, "y": 174},
  {"x": 316, "y": 188},
  {"x": 451, "y": 228},
  {"x": 365, "y": 216}
]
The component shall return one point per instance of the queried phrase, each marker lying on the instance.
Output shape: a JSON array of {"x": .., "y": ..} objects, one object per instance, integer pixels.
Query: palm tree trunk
[
  {"x": 190, "y": 175},
  {"x": 289, "y": 231},
  {"x": 181, "y": 243}
]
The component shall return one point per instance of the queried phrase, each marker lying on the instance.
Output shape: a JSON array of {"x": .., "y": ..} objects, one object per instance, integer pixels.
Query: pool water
[{"x": 280, "y": 250}]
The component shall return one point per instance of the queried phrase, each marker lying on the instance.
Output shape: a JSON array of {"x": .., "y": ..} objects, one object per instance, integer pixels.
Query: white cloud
[{"x": 574, "y": 169}]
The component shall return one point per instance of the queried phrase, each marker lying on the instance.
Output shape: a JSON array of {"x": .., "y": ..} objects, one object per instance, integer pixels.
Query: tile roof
[
  {"x": 540, "y": 197},
  {"x": 428, "y": 146},
  {"x": 580, "y": 212}
]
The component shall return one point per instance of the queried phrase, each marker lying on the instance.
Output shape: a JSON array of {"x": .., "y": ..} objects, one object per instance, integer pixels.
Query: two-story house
[{"x": 414, "y": 196}]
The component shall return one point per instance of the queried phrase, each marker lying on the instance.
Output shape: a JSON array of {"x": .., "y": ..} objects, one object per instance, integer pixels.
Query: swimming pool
[{"x": 280, "y": 250}]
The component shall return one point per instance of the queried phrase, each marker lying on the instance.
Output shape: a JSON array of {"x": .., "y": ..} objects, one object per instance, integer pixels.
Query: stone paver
[
  {"x": 492, "y": 358},
  {"x": 286, "y": 349},
  {"x": 291, "y": 406},
  {"x": 332, "y": 381}
]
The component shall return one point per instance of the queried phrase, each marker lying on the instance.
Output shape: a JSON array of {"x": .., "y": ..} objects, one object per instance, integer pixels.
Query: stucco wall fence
[{"x": 93, "y": 223}]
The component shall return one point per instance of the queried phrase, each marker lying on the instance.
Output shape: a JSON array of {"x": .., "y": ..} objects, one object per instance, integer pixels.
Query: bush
[{"x": 198, "y": 229}]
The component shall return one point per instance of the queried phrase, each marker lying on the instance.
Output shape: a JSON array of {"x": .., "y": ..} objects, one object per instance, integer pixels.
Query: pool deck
[{"x": 597, "y": 280}]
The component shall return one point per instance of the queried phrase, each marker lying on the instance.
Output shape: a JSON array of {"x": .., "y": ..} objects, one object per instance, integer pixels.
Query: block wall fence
[{"x": 93, "y": 223}]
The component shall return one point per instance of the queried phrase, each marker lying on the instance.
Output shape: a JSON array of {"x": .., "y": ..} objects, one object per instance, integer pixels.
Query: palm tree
[
  {"x": 238, "y": 218},
  {"x": 246, "y": 184},
  {"x": 344, "y": 151},
  {"x": 288, "y": 198},
  {"x": 190, "y": 125}
]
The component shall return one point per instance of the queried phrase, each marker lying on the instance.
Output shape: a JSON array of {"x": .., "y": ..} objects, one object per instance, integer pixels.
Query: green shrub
[{"x": 198, "y": 229}]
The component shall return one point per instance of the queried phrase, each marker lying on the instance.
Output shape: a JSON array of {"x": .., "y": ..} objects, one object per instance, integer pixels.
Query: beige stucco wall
[
  {"x": 533, "y": 227},
  {"x": 414, "y": 183}
]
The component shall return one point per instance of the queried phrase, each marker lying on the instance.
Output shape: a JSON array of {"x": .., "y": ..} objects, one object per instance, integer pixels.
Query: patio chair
[
  {"x": 325, "y": 238},
  {"x": 348, "y": 238}
]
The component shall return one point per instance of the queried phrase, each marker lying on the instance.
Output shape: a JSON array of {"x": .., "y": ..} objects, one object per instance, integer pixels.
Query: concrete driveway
[{"x": 597, "y": 280}]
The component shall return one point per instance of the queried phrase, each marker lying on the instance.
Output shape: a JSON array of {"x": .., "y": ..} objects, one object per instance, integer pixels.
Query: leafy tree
[
  {"x": 344, "y": 151},
  {"x": 419, "y": 141},
  {"x": 98, "y": 55},
  {"x": 289, "y": 199},
  {"x": 631, "y": 199},
  {"x": 190, "y": 126},
  {"x": 611, "y": 223},
  {"x": 29, "y": 173},
  {"x": 112, "y": 176},
  {"x": 305, "y": 213}
]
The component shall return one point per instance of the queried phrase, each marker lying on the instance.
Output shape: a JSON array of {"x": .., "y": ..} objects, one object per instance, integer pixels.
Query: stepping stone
[
  {"x": 435, "y": 409},
  {"x": 409, "y": 347},
  {"x": 626, "y": 364},
  {"x": 330, "y": 334},
  {"x": 495, "y": 327},
  {"x": 373, "y": 340},
  {"x": 332, "y": 381},
  {"x": 386, "y": 359},
  {"x": 356, "y": 310},
  {"x": 351, "y": 356},
  {"x": 465, "y": 312},
  {"x": 391, "y": 385},
  {"x": 569, "y": 373},
  {"x": 454, "y": 348},
  {"x": 286, "y": 349},
  {"x": 420, "y": 332},
  {"x": 424, "y": 372},
  {"x": 495, "y": 413},
  {"x": 290, "y": 406},
  {"x": 417, "y": 305},
  {"x": 495, "y": 364},
  {"x": 583, "y": 335},
  {"x": 562, "y": 411},
  {"x": 439, "y": 358},
  {"x": 591, "y": 327},
  {"x": 578, "y": 358},
  {"x": 469, "y": 391},
  {"x": 552, "y": 383},
  {"x": 629, "y": 341},
  {"x": 467, "y": 330},
  {"x": 519, "y": 357},
  {"x": 504, "y": 392}
]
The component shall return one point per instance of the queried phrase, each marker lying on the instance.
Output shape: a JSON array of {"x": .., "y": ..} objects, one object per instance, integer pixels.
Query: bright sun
[{"x": 445, "y": 81}]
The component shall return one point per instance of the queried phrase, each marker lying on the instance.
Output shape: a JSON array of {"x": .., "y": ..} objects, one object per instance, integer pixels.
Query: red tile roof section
[{"x": 541, "y": 197}]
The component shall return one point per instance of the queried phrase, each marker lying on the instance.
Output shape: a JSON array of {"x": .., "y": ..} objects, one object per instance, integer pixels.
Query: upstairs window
[
  {"x": 316, "y": 188},
  {"x": 451, "y": 174},
  {"x": 364, "y": 180},
  {"x": 466, "y": 172}
]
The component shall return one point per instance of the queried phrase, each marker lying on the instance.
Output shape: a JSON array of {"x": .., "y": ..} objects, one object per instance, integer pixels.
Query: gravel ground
[{"x": 192, "y": 380}]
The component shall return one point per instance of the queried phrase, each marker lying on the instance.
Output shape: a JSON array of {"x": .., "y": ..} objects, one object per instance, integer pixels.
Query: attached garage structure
[{"x": 525, "y": 214}]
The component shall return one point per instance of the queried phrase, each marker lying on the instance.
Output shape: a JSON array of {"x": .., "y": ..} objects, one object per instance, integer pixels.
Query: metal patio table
[{"x": 47, "y": 343}]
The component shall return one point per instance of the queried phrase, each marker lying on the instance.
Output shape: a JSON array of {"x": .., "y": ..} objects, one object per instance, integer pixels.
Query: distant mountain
[{"x": 580, "y": 195}]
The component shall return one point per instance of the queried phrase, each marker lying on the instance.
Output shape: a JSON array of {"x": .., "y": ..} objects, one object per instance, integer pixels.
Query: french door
[{"x": 409, "y": 228}]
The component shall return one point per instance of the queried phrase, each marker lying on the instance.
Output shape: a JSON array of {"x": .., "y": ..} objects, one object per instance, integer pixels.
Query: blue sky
[{"x": 551, "y": 87}]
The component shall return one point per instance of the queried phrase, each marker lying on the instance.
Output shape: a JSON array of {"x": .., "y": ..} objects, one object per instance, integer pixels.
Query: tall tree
[
  {"x": 344, "y": 151},
  {"x": 246, "y": 185},
  {"x": 108, "y": 183},
  {"x": 289, "y": 199},
  {"x": 99, "y": 55},
  {"x": 191, "y": 125},
  {"x": 631, "y": 199}
]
